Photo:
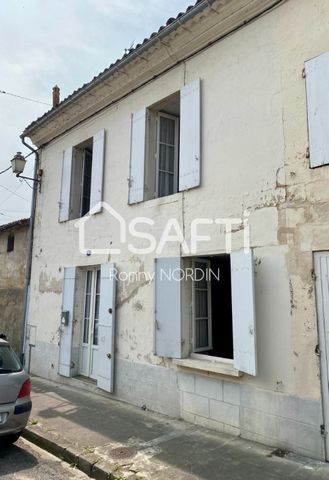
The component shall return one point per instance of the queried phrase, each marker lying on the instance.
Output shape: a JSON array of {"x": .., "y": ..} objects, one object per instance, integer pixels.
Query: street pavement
[
  {"x": 101, "y": 435},
  {"x": 25, "y": 461}
]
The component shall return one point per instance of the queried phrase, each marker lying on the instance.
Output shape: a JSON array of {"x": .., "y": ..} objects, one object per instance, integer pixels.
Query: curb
[{"x": 88, "y": 464}]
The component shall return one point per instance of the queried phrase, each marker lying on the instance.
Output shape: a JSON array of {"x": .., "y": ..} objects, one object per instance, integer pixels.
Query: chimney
[{"x": 56, "y": 96}]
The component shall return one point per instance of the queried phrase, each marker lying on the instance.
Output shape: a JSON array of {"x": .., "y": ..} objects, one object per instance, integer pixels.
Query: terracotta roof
[
  {"x": 24, "y": 222},
  {"x": 116, "y": 64}
]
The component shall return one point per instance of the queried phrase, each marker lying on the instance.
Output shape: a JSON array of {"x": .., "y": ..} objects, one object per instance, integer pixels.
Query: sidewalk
[{"x": 109, "y": 439}]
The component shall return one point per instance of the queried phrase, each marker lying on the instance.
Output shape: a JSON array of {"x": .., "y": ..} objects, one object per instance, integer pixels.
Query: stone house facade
[
  {"x": 217, "y": 123},
  {"x": 13, "y": 260}
]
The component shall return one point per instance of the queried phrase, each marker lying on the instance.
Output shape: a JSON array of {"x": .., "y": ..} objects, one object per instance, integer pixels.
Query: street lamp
[{"x": 18, "y": 164}]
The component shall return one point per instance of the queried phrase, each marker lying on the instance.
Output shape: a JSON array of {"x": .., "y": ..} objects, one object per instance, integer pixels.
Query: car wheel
[{"x": 9, "y": 439}]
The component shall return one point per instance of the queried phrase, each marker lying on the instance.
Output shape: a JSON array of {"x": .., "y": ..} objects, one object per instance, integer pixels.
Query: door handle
[{"x": 109, "y": 356}]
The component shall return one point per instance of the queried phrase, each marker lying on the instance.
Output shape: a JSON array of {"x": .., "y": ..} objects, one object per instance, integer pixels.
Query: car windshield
[{"x": 9, "y": 363}]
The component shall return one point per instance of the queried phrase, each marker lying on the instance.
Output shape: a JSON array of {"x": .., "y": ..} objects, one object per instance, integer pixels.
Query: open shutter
[
  {"x": 317, "y": 86},
  {"x": 243, "y": 309},
  {"x": 106, "y": 325},
  {"x": 137, "y": 157},
  {"x": 96, "y": 189},
  {"x": 67, "y": 318},
  {"x": 64, "y": 201},
  {"x": 190, "y": 136},
  {"x": 168, "y": 323}
]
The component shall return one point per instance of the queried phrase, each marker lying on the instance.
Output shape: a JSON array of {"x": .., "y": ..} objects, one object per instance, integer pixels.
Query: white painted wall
[{"x": 254, "y": 139}]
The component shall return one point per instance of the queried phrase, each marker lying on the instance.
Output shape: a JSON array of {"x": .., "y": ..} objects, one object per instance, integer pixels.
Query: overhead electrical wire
[
  {"x": 14, "y": 193},
  {"x": 6, "y": 170},
  {"x": 24, "y": 98}
]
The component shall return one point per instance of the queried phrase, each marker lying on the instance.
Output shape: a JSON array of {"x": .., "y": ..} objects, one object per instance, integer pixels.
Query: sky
[{"x": 63, "y": 42}]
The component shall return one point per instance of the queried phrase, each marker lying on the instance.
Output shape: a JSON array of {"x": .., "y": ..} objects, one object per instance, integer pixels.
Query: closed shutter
[
  {"x": 64, "y": 201},
  {"x": 243, "y": 310},
  {"x": 317, "y": 85},
  {"x": 105, "y": 360},
  {"x": 137, "y": 157},
  {"x": 168, "y": 321},
  {"x": 96, "y": 190},
  {"x": 66, "y": 328},
  {"x": 190, "y": 136}
]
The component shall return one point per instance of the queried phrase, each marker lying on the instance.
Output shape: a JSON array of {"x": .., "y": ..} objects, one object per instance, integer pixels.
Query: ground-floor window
[{"x": 212, "y": 306}]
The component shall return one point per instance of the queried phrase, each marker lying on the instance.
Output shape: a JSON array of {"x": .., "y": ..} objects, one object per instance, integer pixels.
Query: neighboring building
[
  {"x": 13, "y": 260},
  {"x": 210, "y": 117}
]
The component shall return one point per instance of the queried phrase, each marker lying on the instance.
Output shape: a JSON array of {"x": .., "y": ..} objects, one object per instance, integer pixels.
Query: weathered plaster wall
[
  {"x": 12, "y": 282},
  {"x": 254, "y": 157}
]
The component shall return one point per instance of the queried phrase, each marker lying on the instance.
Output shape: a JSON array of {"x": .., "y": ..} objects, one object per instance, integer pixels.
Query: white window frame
[
  {"x": 176, "y": 152},
  {"x": 210, "y": 344}
]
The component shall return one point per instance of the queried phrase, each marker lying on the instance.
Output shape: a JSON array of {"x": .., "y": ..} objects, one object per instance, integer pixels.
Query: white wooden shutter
[
  {"x": 66, "y": 331},
  {"x": 137, "y": 157},
  {"x": 317, "y": 85},
  {"x": 96, "y": 189},
  {"x": 64, "y": 201},
  {"x": 190, "y": 136},
  {"x": 168, "y": 323},
  {"x": 105, "y": 360},
  {"x": 243, "y": 309}
]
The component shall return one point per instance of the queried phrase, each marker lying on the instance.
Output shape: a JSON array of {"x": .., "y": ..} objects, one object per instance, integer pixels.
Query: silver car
[{"x": 15, "y": 401}]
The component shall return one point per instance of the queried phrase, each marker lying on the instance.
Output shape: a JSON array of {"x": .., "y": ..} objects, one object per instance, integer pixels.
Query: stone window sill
[{"x": 209, "y": 367}]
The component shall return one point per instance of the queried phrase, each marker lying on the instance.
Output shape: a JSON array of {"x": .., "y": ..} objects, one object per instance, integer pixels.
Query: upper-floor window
[
  {"x": 166, "y": 146},
  {"x": 82, "y": 178},
  {"x": 10, "y": 243}
]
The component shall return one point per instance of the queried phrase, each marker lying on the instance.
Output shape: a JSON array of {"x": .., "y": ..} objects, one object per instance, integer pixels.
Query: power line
[
  {"x": 24, "y": 98},
  {"x": 27, "y": 183},
  {"x": 6, "y": 170},
  {"x": 14, "y": 193}
]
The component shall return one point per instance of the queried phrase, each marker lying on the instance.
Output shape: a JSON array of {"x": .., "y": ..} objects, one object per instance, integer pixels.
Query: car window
[{"x": 9, "y": 363}]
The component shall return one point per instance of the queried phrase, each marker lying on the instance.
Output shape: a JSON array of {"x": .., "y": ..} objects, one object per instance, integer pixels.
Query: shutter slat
[
  {"x": 96, "y": 190},
  {"x": 190, "y": 136},
  {"x": 106, "y": 326},
  {"x": 137, "y": 157},
  {"x": 66, "y": 331},
  {"x": 317, "y": 86},
  {"x": 168, "y": 323},
  {"x": 243, "y": 310},
  {"x": 64, "y": 201}
]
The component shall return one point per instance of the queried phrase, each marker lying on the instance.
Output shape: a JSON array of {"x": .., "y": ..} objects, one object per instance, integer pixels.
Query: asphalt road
[{"x": 25, "y": 461}]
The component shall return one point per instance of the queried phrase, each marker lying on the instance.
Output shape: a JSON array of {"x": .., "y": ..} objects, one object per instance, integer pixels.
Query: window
[
  {"x": 212, "y": 307},
  {"x": 221, "y": 322},
  {"x": 10, "y": 243},
  {"x": 82, "y": 178},
  {"x": 166, "y": 146},
  {"x": 162, "y": 148}
]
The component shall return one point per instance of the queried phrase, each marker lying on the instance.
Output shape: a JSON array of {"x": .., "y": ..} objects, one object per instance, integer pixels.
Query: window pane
[
  {"x": 167, "y": 130},
  {"x": 200, "y": 275},
  {"x": 201, "y": 333},
  {"x": 86, "y": 182},
  {"x": 201, "y": 303},
  {"x": 97, "y": 301},
  {"x": 166, "y": 158},
  {"x": 166, "y": 184},
  {"x": 87, "y": 308}
]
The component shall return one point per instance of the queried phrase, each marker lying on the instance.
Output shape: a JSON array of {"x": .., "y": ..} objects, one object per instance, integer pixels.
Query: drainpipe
[{"x": 30, "y": 251}]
